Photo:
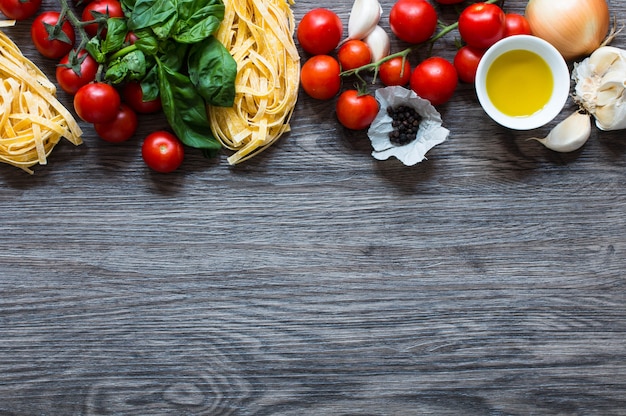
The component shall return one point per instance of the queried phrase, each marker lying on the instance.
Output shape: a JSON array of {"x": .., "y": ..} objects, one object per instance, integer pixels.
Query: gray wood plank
[{"x": 313, "y": 279}]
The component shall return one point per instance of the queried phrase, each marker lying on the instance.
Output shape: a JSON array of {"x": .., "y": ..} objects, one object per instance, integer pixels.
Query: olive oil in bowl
[
  {"x": 519, "y": 83},
  {"x": 522, "y": 82}
]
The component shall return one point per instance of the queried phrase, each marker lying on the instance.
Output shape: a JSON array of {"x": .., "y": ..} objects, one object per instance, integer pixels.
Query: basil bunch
[{"x": 177, "y": 57}]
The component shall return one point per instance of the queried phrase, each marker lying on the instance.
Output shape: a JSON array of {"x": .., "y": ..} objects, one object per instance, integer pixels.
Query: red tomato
[
  {"x": 319, "y": 31},
  {"x": 449, "y": 1},
  {"x": 162, "y": 151},
  {"x": 413, "y": 21},
  {"x": 466, "y": 63},
  {"x": 394, "y": 72},
  {"x": 108, "y": 8},
  {"x": 434, "y": 79},
  {"x": 320, "y": 77},
  {"x": 19, "y": 9},
  {"x": 121, "y": 128},
  {"x": 353, "y": 54},
  {"x": 56, "y": 46},
  {"x": 97, "y": 102},
  {"x": 356, "y": 111},
  {"x": 133, "y": 95},
  {"x": 131, "y": 38},
  {"x": 516, "y": 24},
  {"x": 68, "y": 79},
  {"x": 481, "y": 25}
]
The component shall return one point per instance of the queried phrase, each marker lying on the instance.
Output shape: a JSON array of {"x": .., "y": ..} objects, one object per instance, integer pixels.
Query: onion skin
[{"x": 574, "y": 27}]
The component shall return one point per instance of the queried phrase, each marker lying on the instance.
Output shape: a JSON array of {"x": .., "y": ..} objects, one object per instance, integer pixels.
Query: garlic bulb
[
  {"x": 364, "y": 17},
  {"x": 379, "y": 43},
  {"x": 569, "y": 135},
  {"x": 601, "y": 86}
]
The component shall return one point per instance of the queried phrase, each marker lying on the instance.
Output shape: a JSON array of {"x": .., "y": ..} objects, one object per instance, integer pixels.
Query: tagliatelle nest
[{"x": 430, "y": 132}]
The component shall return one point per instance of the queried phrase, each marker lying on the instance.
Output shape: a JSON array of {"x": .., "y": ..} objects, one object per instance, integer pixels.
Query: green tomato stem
[{"x": 67, "y": 12}]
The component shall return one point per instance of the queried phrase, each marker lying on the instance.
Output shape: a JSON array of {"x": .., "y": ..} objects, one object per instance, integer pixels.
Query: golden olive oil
[{"x": 519, "y": 83}]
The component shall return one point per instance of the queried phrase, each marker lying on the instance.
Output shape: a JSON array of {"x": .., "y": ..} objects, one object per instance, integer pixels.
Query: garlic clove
[
  {"x": 611, "y": 86},
  {"x": 611, "y": 117},
  {"x": 569, "y": 135},
  {"x": 605, "y": 58},
  {"x": 379, "y": 43},
  {"x": 364, "y": 17}
]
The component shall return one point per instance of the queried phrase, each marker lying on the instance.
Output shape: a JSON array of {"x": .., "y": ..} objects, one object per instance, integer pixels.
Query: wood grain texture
[{"x": 313, "y": 279}]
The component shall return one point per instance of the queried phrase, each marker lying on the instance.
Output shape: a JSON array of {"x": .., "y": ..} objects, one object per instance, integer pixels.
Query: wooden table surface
[{"x": 314, "y": 279}]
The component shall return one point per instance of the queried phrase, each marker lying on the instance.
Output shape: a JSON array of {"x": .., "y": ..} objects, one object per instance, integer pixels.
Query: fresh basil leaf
[
  {"x": 116, "y": 34},
  {"x": 146, "y": 42},
  {"x": 173, "y": 55},
  {"x": 185, "y": 110},
  {"x": 150, "y": 84},
  {"x": 152, "y": 13},
  {"x": 197, "y": 19},
  {"x": 196, "y": 33},
  {"x": 130, "y": 67},
  {"x": 212, "y": 70},
  {"x": 94, "y": 48}
]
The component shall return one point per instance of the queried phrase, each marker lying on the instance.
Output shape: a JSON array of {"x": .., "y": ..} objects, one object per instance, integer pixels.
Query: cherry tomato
[
  {"x": 516, "y": 24},
  {"x": 133, "y": 96},
  {"x": 19, "y": 9},
  {"x": 434, "y": 79},
  {"x": 449, "y": 1},
  {"x": 162, "y": 151},
  {"x": 97, "y": 102},
  {"x": 353, "y": 54},
  {"x": 57, "y": 46},
  {"x": 319, "y": 31},
  {"x": 356, "y": 111},
  {"x": 131, "y": 38},
  {"x": 394, "y": 72},
  {"x": 482, "y": 24},
  {"x": 121, "y": 128},
  {"x": 320, "y": 78},
  {"x": 413, "y": 21},
  {"x": 109, "y": 8},
  {"x": 466, "y": 63},
  {"x": 68, "y": 79}
]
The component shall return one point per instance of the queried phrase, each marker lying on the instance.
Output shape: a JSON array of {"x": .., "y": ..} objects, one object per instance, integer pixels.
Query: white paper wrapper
[{"x": 430, "y": 132}]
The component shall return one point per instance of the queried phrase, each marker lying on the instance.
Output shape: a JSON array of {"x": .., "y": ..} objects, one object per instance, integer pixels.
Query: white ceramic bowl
[{"x": 560, "y": 75}]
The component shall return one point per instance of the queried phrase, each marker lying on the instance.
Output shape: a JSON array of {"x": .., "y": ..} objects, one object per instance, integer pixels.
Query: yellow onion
[{"x": 574, "y": 27}]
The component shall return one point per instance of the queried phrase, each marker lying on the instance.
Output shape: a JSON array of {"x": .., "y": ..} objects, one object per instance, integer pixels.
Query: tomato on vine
[
  {"x": 97, "y": 102},
  {"x": 413, "y": 21},
  {"x": 19, "y": 9},
  {"x": 133, "y": 96},
  {"x": 162, "y": 151},
  {"x": 466, "y": 63},
  {"x": 100, "y": 8},
  {"x": 482, "y": 24},
  {"x": 516, "y": 24},
  {"x": 356, "y": 111},
  {"x": 319, "y": 32},
  {"x": 121, "y": 128},
  {"x": 353, "y": 54},
  {"x": 75, "y": 70},
  {"x": 320, "y": 77},
  {"x": 52, "y": 40},
  {"x": 434, "y": 79},
  {"x": 395, "y": 71}
]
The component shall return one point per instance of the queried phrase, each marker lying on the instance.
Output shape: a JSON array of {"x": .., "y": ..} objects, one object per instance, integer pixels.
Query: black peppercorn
[{"x": 405, "y": 121}]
